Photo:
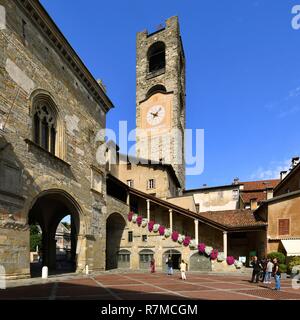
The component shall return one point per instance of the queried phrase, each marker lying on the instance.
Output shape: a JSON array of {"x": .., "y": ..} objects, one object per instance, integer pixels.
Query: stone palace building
[{"x": 51, "y": 109}]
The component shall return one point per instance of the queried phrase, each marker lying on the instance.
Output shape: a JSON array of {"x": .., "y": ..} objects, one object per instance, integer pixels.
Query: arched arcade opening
[
  {"x": 115, "y": 225},
  {"x": 175, "y": 256},
  {"x": 48, "y": 210}
]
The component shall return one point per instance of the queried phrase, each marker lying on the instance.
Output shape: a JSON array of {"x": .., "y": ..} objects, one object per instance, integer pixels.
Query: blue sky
[{"x": 243, "y": 73}]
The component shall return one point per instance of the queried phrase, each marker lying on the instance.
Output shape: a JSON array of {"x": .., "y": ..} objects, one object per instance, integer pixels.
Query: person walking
[
  {"x": 170, "y": 266},
  {"x": 183, "y": 267},
  {"x": 269, "y": 270},
  {"x": 276, "y": 274},
  {"x": 152, "y": 265},
  {"x": 264, "y": 269},
  {"x": 256, "y": 269}
]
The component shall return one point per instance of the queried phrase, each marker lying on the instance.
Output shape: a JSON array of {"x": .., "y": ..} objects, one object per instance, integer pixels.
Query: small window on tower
[
  {"x": 151, "y": 184},
  {"x": 157, "y": 57}
]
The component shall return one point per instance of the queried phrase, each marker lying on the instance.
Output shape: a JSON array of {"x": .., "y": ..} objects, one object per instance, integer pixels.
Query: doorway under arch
[
  {"x": 124, "y": 259},
  {"x": 146, "y": 255},
  {"x": 175, "y": 256},
  {"x": 47, "y": 211},
  {"x": 115, "y": 225}
]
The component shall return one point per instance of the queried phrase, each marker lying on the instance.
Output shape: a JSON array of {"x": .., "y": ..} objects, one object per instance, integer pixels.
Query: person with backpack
[
  {"x": 256, "y": 269},
  {"x": 264, "y": 262},
  {"x": 276, "y": 274},
  {"x": 170, "y": 266}
]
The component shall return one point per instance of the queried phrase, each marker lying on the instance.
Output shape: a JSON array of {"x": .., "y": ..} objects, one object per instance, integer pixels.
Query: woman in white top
[
  {"x": 183, "y": 269},
  {"x": 268, "y": 271}
]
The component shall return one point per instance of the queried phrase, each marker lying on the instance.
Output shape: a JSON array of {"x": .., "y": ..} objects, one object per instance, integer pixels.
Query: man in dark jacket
[
  {"x": 256, "y": 269},
  {"x": 170, "y": 266}
]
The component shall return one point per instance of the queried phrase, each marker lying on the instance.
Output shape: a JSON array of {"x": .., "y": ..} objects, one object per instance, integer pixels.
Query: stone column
[
  {"x": 225, "y": 243},
  {"x": 196, "y": 231},
  {"x": 171, "y": 219},
  {"x": 128, "y": 199},
  {"x": 148, "y": 209}
]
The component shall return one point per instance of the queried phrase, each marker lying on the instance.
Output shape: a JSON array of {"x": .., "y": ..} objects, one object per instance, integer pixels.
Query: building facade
[
  {"x": 51, "y": 108},
  {"x": 282, "y": 213}
]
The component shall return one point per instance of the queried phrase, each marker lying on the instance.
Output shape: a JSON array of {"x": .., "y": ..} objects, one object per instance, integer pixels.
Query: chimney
[
  {"x": 283, "y": 174},
  {"x": 295, "y": 161},
  {"x": 269, "y": 193},
  {"x": 236, "y": 181},
  {"x": 253, "y": 203}
]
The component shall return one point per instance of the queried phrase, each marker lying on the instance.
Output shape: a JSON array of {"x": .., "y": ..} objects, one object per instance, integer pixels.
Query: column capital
[
  {"x": 170, "y": 210},
  {"x": 147, "y": 200},
  {"x": 225, "y": 232},
  {"x": 196, "y": 221}
]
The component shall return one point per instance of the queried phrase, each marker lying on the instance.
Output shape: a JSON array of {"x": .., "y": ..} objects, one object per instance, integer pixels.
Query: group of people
[
  {"x": 169, "y": 263},
  {"x": 266, "y": 268}
]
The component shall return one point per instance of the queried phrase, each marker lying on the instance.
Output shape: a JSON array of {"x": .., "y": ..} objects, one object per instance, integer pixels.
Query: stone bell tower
[{"x": 160, "y": 97}]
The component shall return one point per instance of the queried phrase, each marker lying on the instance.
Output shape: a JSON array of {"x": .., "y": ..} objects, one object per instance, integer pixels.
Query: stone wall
[
  {"x": 173, "y": 79},
  {"x": 140, "y": 174},
  {"x": 30, "y": 64}
]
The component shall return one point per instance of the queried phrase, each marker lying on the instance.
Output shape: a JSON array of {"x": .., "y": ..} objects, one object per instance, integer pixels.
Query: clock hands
[{"x": 155, "y": 114}]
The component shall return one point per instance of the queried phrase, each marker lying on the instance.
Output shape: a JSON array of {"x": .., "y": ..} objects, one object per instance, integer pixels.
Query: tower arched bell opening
[{"x": 156, "y": 57}]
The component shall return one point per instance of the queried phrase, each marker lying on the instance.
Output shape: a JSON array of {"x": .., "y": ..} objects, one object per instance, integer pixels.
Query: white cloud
[
  {"x": 273, "y": 170},
  {"x": 287, "y": 106}
]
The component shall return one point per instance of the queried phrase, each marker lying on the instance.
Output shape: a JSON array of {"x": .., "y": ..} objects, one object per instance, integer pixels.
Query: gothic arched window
[
  {"x": 157, "y": 56},
  {"x": 44, "y": 126}
]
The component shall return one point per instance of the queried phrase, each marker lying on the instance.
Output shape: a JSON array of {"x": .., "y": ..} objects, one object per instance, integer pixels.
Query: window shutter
[{"x": 283, "y": 227}]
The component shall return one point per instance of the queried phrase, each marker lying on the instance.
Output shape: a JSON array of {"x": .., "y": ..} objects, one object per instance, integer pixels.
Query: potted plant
[
  {"x": 208, "y": 250},
  {"x": 139, "y": 220},
  {"x": 230, "y": 260},
  {"x": 150, "y": 225},
  {"x": 130, "y": 214},
  {"x": 186, "y": 241},
  {"x": 180, "y": 238},
  {"x": 175, "y": 235},
  {"x": 144, "y": 222},
  {"x": 156, "y": 227},
  {"x": 214, "y": 254},
  {"x": 134, "y": 218},
  {"x": 161, "y": 230},
  {"x": 201, "y": 247},
  {"x": 167, "y": 233},
  {"x": 193, "y": 244}
]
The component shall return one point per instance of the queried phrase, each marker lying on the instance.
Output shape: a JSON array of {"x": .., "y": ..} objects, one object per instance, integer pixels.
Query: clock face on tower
[{"x": 156, "y": 115}]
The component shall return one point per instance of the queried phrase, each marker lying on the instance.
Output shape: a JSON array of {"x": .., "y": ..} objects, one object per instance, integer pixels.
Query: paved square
[{"x": 158, "y": 286}]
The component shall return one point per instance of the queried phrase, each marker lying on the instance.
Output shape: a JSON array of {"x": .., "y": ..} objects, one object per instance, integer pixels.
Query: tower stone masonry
[{"x": 160, "y": 97}]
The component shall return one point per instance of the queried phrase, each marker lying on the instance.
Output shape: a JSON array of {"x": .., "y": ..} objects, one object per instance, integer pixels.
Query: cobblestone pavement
[{"x": 143, "y": 286}]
